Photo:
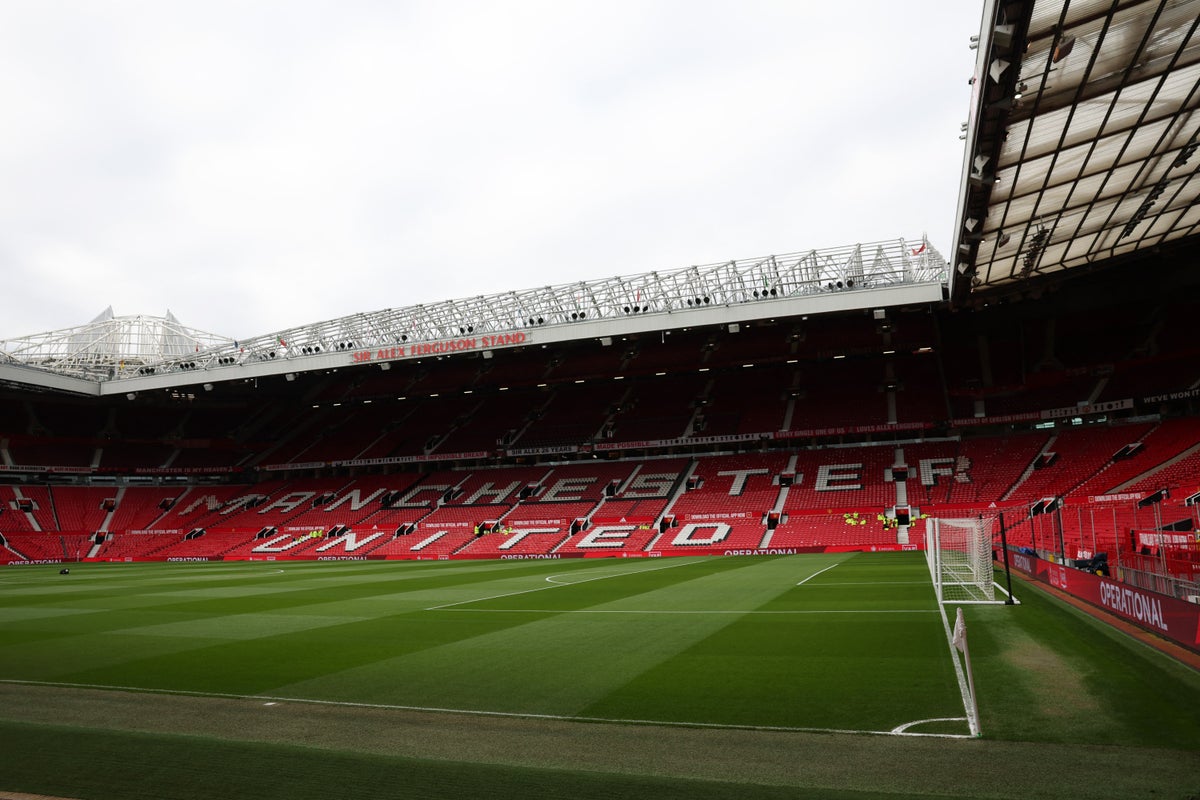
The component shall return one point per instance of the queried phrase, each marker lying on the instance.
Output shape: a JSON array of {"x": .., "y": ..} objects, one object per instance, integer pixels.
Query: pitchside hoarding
[{"x": 1172, "y": 619}]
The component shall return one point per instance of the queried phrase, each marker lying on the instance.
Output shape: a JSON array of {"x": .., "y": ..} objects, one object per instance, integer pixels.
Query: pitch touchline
[
  {"x": 555, "y": 585},
  {"x": 688, "y": 611},
  {"x": 269, "y": 699},
  {"x": 878, "y": 583}
]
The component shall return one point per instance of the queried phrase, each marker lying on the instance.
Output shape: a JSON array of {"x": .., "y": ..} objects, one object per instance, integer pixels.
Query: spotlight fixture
[
  {"x": 1063, "y": 49},
  {"x": 997, "y": 68},
  {"x": 1003, "y": 35}
]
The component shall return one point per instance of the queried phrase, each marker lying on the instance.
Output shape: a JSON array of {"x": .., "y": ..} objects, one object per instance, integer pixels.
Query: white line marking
[
  {"x": 878, "y": 583},
  {"x": 550, "y": 578},
  {"x": 543, "y": 588},
  {"x": 964, "y": 690},
  {"x": 688, "y": 611},
  {"x": 815, "y": 574},
  {"x": 900, "y": 729},
  {"x": 1015, "y": 601},
  {"x": 475, "y": 712}
]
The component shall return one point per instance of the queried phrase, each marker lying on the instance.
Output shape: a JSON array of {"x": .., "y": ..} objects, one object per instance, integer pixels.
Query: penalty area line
[
  {"x": 815, "y": 574},
  {"x": 266, "y": 700}
]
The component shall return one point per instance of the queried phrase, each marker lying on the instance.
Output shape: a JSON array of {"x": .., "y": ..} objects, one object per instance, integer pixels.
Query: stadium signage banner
[
  {"x": 754, "y": 437},
  {"x": 964, "y": 422},
  {"x": 542, "y": 451},
  {"x": 1173, "y": 619},
  {"x": 1187, "y": 394},
  {"x": 644, "y": 443},
  {"x": 370, "y": 462},
  {"x": 440, "y": 347},
  {"x": 61, "y": 470},
  {"x": 303, "y": 465},
  {"x": 1158, "y": 538},
  {"x": 1049, "y": 413},
  {"x": 1123, "y": 497},
  {"x": 1095, "y": 408},
  {"x": 810, "y": 432},
  {"x": 183, "y": 470},
  {"x": 35, "y": 468}
]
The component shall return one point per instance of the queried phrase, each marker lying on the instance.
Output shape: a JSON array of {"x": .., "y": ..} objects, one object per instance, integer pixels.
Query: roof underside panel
[{"x": 1096, "y": 156}]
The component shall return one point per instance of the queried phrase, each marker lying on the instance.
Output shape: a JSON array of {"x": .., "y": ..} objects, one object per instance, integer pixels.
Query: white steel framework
[
  {"x": 731, "y": 290},
  {"x": 110, "y": 345}
]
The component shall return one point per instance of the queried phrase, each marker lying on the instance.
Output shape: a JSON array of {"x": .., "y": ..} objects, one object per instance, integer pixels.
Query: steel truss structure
[
  {"x": 122, "y": 348},
  {"x": 110, "y": 345}
]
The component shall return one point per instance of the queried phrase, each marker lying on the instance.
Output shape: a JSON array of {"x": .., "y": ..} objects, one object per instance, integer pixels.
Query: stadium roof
[
  {"x": 1081, "y": 144},
  {"x": 125, "y": 355},
  {"x": 108, "y": 344}
]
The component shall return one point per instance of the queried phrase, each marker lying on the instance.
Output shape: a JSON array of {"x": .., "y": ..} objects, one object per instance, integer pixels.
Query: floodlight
[{"x": 1063, "y": 49}]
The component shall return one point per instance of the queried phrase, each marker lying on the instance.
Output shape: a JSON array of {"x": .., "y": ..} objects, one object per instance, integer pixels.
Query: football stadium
[{"x": 902, "y": 519}]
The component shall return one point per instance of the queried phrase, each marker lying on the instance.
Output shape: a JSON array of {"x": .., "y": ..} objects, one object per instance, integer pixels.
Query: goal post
[{"x": 959, "y": 553}]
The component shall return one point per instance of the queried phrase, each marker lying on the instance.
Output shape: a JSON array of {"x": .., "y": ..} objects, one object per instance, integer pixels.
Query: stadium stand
[{"x": 781, "y": 434}]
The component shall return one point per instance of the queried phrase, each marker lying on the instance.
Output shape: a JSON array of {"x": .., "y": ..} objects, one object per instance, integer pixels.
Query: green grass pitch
[{"x": 695, "y": 651}]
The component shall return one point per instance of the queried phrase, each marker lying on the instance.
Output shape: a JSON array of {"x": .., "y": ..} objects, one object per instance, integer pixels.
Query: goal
[{"x": 959, "y": 552}]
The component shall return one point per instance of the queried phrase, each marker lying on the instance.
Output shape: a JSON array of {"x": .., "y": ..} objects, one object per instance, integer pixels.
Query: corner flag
[{"x": 959, "y": 639}]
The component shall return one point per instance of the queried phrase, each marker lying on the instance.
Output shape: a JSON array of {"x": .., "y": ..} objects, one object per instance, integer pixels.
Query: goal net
[{"x": 959, "y": 552}]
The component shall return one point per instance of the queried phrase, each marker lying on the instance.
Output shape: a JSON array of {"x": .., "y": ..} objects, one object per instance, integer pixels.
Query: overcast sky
[{"x": 255, "y": 165}]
